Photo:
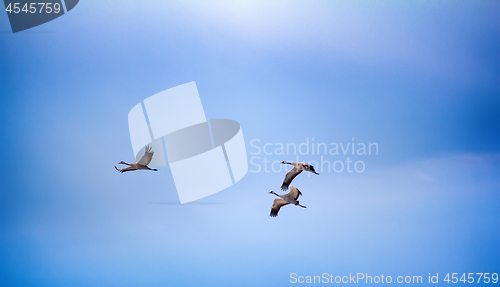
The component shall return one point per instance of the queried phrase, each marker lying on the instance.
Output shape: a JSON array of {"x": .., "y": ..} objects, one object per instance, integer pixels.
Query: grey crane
[
  {"x": 284, "y": 199},
  {"x": 141, "y": 164},
  {"x": 298, "y": 167}
]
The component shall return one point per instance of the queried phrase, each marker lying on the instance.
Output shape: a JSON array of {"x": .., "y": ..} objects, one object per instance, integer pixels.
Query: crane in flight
[
  {"x": 141, "y": 164},
  {"x": 298, "y": 167},
  {"x": 284, "y": 199}
]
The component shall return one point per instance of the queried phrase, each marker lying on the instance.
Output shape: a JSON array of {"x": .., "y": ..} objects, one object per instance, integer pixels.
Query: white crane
[
  {"x": 141, "y": 164},
  {"x": 284, "y": 199},
  {"x": 298, "y": 167}
]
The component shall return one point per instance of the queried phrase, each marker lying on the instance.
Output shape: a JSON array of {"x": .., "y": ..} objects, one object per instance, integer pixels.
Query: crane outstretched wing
[
  {"x": 277, "y": 204},
  {"x": 294, "y": 192},
  {"x": 289, "y": 177},
  {"x": 147, "y": 157}
]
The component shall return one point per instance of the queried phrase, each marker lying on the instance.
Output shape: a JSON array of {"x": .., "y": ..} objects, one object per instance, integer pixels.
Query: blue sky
[{"x": 420, "y": 79}]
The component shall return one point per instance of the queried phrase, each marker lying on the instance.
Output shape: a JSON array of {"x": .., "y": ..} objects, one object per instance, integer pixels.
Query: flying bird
[
  {"x": 298, "y": 167},
  {"x": 284, "y": 199},
  {"x": 141, "y": 164}
]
